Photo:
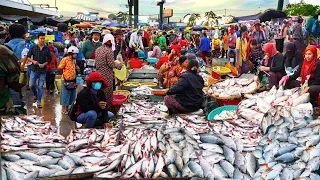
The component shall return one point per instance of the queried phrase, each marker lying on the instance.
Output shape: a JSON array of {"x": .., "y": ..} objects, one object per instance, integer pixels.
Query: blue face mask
[{"x": 96, "y": 85}]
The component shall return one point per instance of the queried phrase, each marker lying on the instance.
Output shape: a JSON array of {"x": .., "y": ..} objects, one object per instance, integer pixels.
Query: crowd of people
[{"x": 265, "y": 49}]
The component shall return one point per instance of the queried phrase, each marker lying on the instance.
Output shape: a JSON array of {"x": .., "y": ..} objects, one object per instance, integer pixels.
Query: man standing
[
  {"x": 135, "y": 42},
  {"x": 17, "y": 42},
  {"x": 205, "y": 46},
  {"x": 92, "y": 44},
  {"x": 163, "y": 41},
  {"x": 40, "y": 57}
]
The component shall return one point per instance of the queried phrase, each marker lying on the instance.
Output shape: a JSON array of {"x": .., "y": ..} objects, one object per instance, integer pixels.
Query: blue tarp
[{"x": 113, "y": 24}]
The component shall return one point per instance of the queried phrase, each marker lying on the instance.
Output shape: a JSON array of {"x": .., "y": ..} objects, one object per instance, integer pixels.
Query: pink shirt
[{"x": 156, "y": 52}]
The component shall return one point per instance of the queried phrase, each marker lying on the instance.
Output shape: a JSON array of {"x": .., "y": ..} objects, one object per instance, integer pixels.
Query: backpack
[{"x": 232, "y": 42}]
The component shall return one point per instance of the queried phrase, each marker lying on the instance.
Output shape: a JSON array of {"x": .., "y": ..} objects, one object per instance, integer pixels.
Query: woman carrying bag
[{"x": 68, "y": 78}]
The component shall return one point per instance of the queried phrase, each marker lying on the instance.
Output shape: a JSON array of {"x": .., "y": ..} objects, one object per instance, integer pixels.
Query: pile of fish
[
  {"x": 141, "y": 90},
  {"x": 92, "y": 138},
  {"x": 248, "y": 131},
  {"x": 43, "y": 163},
  {"x": 25, "y": 132},
  {"x": 276, "y": 104},
  {"x": 233, "y": 87},
  {"x": 289, "y": 150},
  {"x": 225, "y": 115},
  {"x": 139, "y": 108}
]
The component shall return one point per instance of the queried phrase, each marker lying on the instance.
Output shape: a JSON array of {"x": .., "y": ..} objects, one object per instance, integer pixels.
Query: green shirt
[
  {"x": 88, "y": 48},
  {"x": 162, "y": 41}
]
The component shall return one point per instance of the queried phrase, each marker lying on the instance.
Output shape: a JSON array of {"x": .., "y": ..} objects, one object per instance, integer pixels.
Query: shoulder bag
[{"x": 70, "y": 84}]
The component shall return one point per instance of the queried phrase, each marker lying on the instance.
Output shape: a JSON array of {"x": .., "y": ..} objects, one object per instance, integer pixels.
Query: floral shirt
[{"x": 68, "y": 67}]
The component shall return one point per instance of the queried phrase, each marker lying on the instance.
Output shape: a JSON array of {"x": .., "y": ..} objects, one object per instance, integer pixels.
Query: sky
[{"x": 69, "y": 8}]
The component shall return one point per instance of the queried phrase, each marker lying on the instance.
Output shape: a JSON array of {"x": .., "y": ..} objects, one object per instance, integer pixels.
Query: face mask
[
  {"x": 95, "y": 41},
  {"x": 97, "y": 85}
]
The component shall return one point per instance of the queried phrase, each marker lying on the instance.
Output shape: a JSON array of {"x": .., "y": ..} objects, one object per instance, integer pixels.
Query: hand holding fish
[{"x": 263, "y": 68}]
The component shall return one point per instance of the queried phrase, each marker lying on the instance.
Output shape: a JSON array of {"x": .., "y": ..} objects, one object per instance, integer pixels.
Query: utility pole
[
  {"x": 280, "y": 5},
  {"x": 136, "y": 12},
  {"x": 130, "y": 4},
  {"x": 160, "y": 3}
]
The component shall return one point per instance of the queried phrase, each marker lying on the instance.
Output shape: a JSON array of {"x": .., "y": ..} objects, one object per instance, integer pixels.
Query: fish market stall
[{"x": 230, "y": 91}]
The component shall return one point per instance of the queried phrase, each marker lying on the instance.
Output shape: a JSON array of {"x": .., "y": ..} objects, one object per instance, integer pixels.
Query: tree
[
  {"x": 122, "y": 17},
  {"x": 192, "y": 21},
  {"x": 302, "y": 9},
  {"x": 212, "y": 19}
]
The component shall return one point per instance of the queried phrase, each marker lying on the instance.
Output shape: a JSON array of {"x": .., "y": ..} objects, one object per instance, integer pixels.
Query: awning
[
  {"x": 247, "y": 18},
  {"x": 83, "y": 17},
  {"x": 14, "y": 18}
]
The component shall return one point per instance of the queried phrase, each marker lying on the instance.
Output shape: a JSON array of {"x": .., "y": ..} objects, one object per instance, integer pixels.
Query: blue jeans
[
  {"x": 146, "y": 50},
  {"x": 29, "y": 71},
  {"x": 90, "y": 117},
  {"x": 32, "y": 83}
]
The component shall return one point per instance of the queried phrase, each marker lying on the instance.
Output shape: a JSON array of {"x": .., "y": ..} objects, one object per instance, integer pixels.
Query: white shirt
[
  {"x": 25, "y": 53},
  {"x": 134, "y": 40}
]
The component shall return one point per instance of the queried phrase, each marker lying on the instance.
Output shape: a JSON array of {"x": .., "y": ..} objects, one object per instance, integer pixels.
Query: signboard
[{"x": 167, "y": 13}]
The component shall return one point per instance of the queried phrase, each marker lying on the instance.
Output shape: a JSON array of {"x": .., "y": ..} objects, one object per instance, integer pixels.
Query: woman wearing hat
[
  {"x": 105, "y": 64},
  {"x": 120, "y": 44},
  {"x": 259, "y": 35},
  {"x": 68, "y": 67},
  {"x": 91, "y": 102}
]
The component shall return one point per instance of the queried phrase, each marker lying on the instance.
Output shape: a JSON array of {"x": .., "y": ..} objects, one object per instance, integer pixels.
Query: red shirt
[
  {"x": 162, "y": 60},
  {"x": 183, "y": 43},
  {"x": 53, "y": 63}
]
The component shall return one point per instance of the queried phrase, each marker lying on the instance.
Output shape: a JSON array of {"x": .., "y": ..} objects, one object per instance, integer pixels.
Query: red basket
[
  {"x": 215, "y": 75},
  {"x": 118, "y": 99},
  {"x": 135, "y": 63},
  {"x": 233, "y": 102}
]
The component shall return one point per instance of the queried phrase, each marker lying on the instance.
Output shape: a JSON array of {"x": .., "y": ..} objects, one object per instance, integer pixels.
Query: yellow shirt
[
  {"x": 216, "y": 42},
  {"x": 241, "y": 46},
  {"x": 68, "y": 68}
]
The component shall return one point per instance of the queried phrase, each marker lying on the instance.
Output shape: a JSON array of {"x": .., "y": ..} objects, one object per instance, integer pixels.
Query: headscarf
[
  {"x": 271, "y": 49},
  {"x": 109, "y": 37},
  {"x": 308, "y": 65},
  {"x": 290, "y": 50}
]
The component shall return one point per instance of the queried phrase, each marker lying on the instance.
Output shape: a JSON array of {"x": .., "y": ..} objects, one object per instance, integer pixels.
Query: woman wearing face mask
[
  {"x": 105, "y": 64},
  {"x": 68, "y": 68},
  {"x": 89, "y": 46},
  {"x": 309, "y": 67},
  {"x": 273, "y": 65},
  {"x": 293, "y": 56},
  {"x": 188, "y": 95},
  {"x": 91, "y": 102}
]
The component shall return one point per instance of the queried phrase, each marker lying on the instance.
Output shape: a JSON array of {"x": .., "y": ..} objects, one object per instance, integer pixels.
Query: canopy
[
  {"x": 247, "y": 18},
  {"x": 39, "y": 20},
  {"x": 196, "y": 28},
  {"x": 83, "y": 17},
  {"x": 111, "y": 24},
  {"x": 208, "y": 27},
  {"x": 272, "y": 14}
]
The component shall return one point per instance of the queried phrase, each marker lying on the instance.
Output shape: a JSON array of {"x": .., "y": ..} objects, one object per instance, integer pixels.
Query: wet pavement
[{"x": 51, "y": 111}]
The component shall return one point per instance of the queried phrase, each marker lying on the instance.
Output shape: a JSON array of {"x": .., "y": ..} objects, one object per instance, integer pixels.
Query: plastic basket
[
  {"x": 149, "y": 84},
  {"x": 118, "y": 99},
  {"x": 229, "y": 102},
  {"x": 125, "y": 92},
  {"x": 219, "y": 110},
  {"x": 152, "y": 60},
  {"x": 131, "y": 84}
]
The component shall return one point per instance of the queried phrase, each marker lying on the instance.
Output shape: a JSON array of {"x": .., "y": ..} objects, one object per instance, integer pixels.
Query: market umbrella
[
  {"x": 272, "y": 14},
  {"x": 196, "y": 28},
  {"x": 208, "y": 27}
]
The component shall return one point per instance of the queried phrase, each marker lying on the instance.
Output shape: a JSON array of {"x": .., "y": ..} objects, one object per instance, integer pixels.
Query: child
[
  {"x": 255, "y": 55},
  {"x": 51, "y": 72},
  {"x": 216, "y": 46}
]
